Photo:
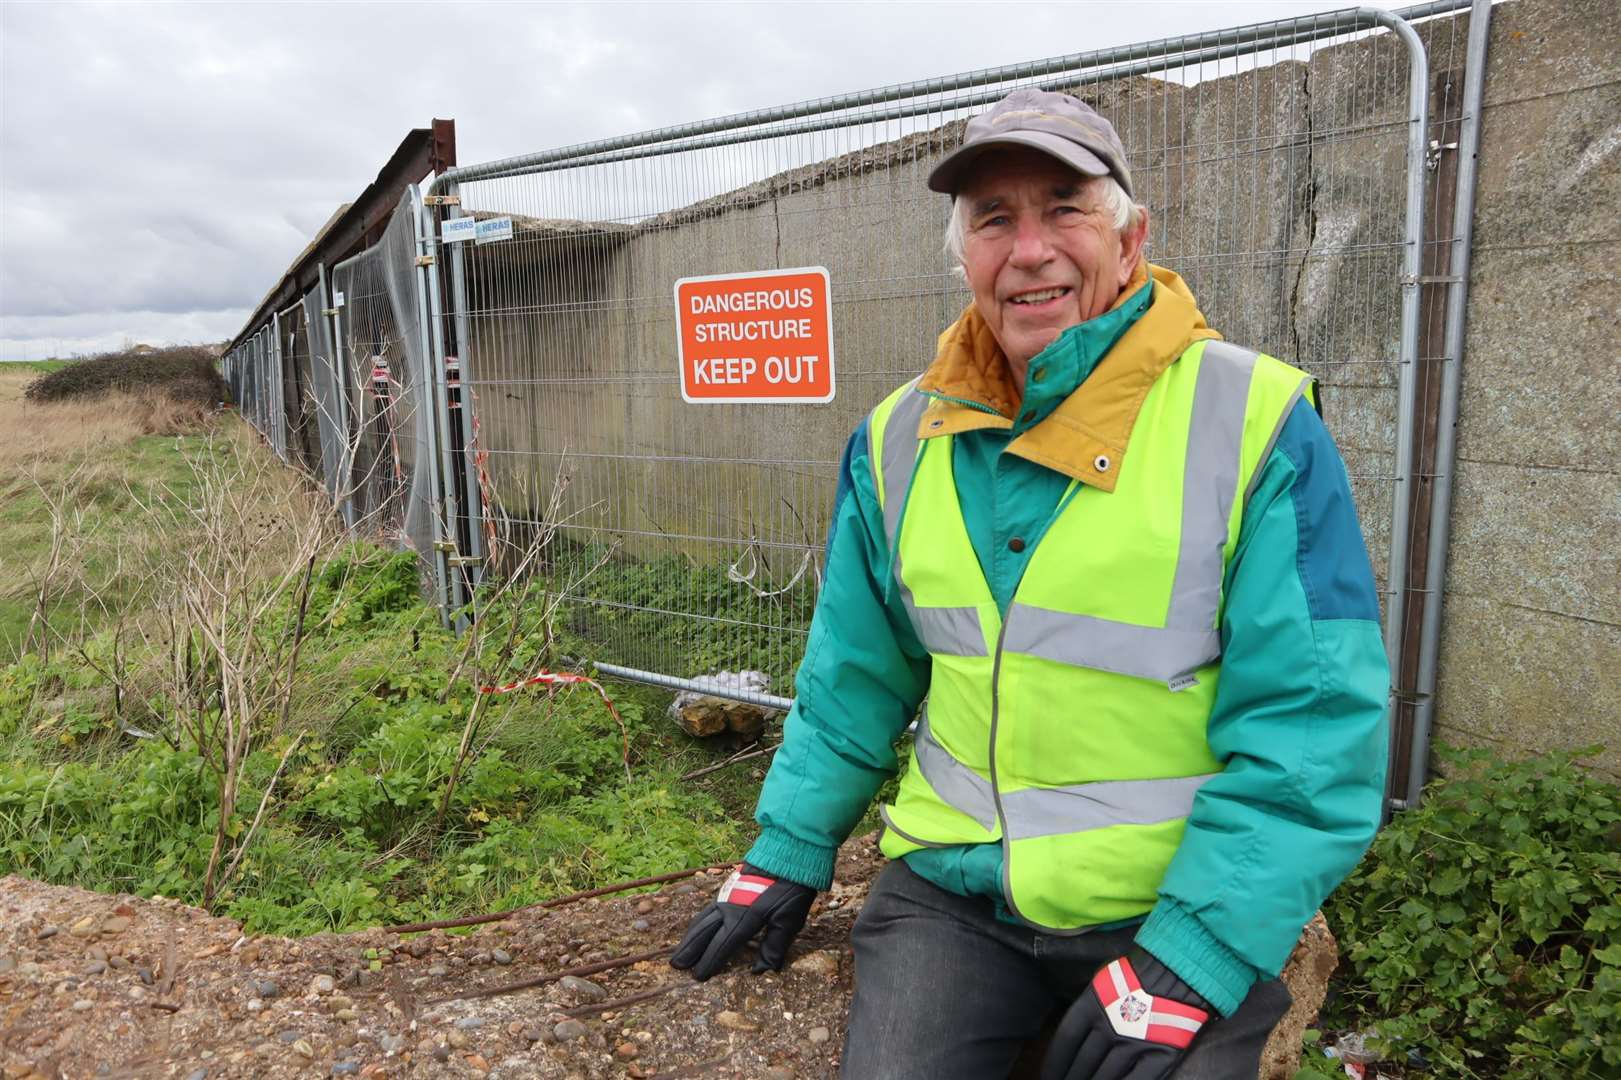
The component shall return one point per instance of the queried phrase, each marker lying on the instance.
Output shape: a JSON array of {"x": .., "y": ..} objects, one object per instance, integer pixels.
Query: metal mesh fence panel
[
  {"x": 302, "y": 433},
  {"x": 323, "y": 403},
  {"x": 1274, "y": 161},
  {"x": 390, "y": 471}
]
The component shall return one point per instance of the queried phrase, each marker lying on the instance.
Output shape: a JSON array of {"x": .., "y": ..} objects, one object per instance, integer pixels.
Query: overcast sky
[{"x": 161, "y": 164}]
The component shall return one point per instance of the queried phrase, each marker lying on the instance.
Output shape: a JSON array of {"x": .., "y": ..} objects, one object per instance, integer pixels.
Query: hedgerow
[{"x": 1482, "y": 934}]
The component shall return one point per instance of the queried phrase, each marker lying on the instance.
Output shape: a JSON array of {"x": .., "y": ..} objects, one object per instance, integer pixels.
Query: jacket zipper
[{"x": 961, "y": 401}]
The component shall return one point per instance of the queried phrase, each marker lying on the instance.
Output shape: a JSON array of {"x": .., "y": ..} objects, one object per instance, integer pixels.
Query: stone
[
  {"x": 7, "y": 963},
  {"x": 145, "y": 975},
  {"x": 438, "y": 971},
  {"x": 582, "y": 989},
  {"x": 346, "y": 1015},
  {"x": 477, "y": 1062},
  {"x": 458, "y": 1040},
  {"x": 824, "y": 963},
  {"x": 266, "y": 988},
  {"x": 534, "y": 1033},
  {"x": 254, "y": 1005},
  {"x": 500, "y": 956},
  {"x": 303, "y": 1047},
  {"x": 470, "y": 1023},
  {"x": 627, "y": 1051},
  {"x": 644, "y": 907},
  {"x": 198, "y": 1074},
  {"x": 778, "y": 1072},
  {"x": 83, "y": 1005},
  {"x": 345, "y": 1068},
  {"x": 322, "y": 984},
  {"x": 819, "y": 1035},
  {"x": 47, "y": 933},
  {"x": 640, "y": 925},
  {"x": 96, "y": 967},
  {"x": 569, "y": 1030},
  {"x": 392, "y": 1044},
  {"x": 115, "y": 925},
  {"x": 288, "y": 1037},
  {"x": 85, "y": 927},
  {"x": 441, "y": 1052},
  {"x": 735, "y": 1021},
  {"x": 1306, "y": 974}
]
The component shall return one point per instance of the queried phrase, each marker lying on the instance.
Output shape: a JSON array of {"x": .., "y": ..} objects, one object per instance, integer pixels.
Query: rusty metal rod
[
  {"x": 498, "y": 916},
  {"x": 634, "y": 999},
  {"x": 693, "y": 1070},
  {"x": 553, "y": 976}
]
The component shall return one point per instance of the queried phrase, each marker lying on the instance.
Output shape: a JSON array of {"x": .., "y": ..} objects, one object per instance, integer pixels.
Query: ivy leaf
[{"x": 1447, "y": 882}]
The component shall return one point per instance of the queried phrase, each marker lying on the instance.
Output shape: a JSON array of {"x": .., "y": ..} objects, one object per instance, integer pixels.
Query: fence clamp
[
  {"x": 442, "y": 200},
  {"x": 465, "y": 560},
  {"x": 329, "y": 311},
  {"x": 424, "y": 260}
]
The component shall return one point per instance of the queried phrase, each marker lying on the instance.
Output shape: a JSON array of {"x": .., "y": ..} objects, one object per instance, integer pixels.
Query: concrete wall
[
  {"x": 1531, "y": 653},
  {"x": 1278, "y": 192}
]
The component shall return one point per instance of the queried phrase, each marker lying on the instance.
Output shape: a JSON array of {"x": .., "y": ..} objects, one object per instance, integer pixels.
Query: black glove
[
  {"x": 1135, "y": 1022},
  {"x": 746, "y": 902}
]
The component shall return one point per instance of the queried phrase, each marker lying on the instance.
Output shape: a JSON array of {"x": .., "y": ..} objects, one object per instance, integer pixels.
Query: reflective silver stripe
[
  {"x": 960, "y": 787},
  {"x": 945, "y": 631},
  {"x": 1210, "y": 483},
  {"x": 1146, "y": 652},
  {"x": 1266, "y": 451},
  {"x": 900, "y": 456},
  {"x": 1036, "y": 812}
]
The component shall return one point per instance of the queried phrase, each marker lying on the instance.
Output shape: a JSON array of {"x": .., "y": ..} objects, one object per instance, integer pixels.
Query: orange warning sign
[{"x": 760, "y": 337}]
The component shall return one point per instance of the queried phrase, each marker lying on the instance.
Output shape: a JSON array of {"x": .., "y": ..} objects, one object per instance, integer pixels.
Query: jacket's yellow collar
[{"x": 1085, "y": 436}]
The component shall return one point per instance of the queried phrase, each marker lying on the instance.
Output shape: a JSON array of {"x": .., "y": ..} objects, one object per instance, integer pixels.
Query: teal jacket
[{"x": 1299, "y": 718}]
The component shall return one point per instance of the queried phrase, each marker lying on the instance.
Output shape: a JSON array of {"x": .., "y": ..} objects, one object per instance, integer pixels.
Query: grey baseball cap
[{"x": 1057, "y": 124}]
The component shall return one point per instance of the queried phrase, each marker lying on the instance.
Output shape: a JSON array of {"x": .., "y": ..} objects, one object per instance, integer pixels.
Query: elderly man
[{"x": 1119, "y": 558}]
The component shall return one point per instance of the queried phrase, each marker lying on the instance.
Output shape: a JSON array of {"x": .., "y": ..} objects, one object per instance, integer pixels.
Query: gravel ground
[{"x": 116, "y": 986}]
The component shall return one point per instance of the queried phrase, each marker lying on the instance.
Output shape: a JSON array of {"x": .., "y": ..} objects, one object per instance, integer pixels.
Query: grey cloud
[{"x": 160, "y": 165}]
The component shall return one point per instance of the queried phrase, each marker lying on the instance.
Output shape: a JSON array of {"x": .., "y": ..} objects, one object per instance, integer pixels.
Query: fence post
[
  {"x": 1446, "y": 445},
  {"x": 473, "y": 491},
  {"x": 340, "y": 380},
  {"x": 441, "y": 513},
  {"x": 1418, "y": 127},
  {"x": 278, "y": 421}
]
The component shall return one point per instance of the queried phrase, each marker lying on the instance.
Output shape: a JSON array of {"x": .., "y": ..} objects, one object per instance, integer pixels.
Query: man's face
[{"x": 1040, "y": 253}]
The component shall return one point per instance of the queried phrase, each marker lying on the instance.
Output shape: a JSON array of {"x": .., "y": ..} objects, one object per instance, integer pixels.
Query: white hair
[{"x": 1106, "y": 190}]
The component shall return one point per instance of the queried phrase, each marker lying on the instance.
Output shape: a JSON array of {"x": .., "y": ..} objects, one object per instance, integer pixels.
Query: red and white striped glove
[
  {"x": 1135, "y": 1022},
  {"x": 747, "y": 901}
]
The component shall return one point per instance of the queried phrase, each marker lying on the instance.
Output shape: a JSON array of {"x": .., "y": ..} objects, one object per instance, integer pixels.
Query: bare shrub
[{"x": 183, "y": 372}]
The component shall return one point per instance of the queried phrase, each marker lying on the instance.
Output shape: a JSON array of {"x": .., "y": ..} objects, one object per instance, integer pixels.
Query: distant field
[
  {"x": 9, "y": 367},
  {"x": 94, "y": 458}
]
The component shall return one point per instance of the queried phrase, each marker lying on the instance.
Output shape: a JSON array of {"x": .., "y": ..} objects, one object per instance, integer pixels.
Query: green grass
[
  {"x": 43, "y": 367},
  {"x": 101, "y": 486}
]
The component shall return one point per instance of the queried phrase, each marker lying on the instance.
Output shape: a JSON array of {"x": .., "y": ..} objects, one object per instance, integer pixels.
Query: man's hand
[
  {"x": 1135, "y": 1022},
  {"x": 747, "y": 901}
]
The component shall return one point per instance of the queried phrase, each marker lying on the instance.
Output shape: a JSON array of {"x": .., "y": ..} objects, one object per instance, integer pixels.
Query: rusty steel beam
[{"x": 422, "y": 151}]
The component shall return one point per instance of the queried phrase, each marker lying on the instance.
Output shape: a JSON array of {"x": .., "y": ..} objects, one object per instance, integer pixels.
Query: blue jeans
[{"x": 946, "y": 991}]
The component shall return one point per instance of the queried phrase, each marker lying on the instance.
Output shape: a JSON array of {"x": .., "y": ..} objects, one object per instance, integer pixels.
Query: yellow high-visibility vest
[{"x": 1072, "y": 730}]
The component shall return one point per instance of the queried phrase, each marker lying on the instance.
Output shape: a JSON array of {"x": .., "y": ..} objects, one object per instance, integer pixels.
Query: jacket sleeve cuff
[
  {"x": 1181, "y": 943},
  {"x": 781, "y": 855}
]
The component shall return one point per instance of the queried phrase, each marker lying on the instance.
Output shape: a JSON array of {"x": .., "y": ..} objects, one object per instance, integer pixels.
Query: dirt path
[
  {"x": 95, "y": 986},
  {"x": 109, "y": 986}
]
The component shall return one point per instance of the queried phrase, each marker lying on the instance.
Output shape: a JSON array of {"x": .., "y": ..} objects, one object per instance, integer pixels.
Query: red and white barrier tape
[{"x": 564, "y": 678}]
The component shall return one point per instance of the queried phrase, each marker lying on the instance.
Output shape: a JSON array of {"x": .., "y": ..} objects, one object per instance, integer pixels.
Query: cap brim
[{"x": 947, "y": 176}]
